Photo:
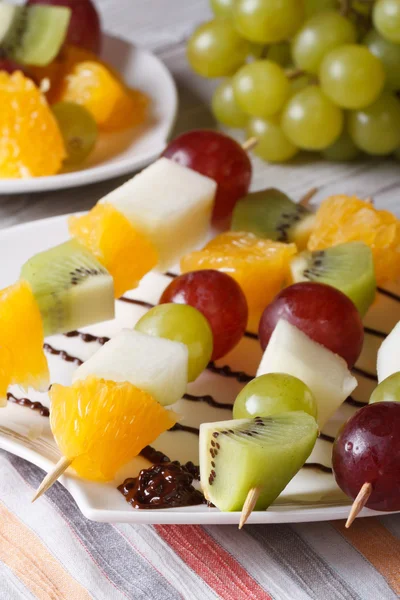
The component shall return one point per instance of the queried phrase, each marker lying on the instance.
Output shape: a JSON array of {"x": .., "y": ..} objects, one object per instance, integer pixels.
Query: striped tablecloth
[{"x": 48, "y": 550}]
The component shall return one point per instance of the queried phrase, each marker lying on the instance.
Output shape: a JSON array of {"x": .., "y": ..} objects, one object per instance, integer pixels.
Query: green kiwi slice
[
  {"x": 271, "y": 214},
  {"x": 33, "y": 35},
  {"x": 71, "y": 287},
  {"x": 348, "y": 267},
  {"x": 264, "y": 453}
]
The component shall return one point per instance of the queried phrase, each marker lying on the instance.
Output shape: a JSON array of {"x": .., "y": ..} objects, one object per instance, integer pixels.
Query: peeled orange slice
[
  {"x": 347, "y": 218},
  {"x": 126, "y": 254},
  {"x": 22, "y": 360},
  {"x": 101, "y": 425}
]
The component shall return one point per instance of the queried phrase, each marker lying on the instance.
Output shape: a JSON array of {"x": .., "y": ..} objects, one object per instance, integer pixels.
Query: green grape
[
  {"x": 319, "y": 35},
  {"x": 273, "y": 394},
  {"x": 351, "y": 76},
  {"x": 343, "y": 149},
  {"x": 181, "y": 323},
  {"x": 376, "y": 129},
  {"x": 273, "y": 145},
  {"x": 389, "y": 54},
  {"x": 225, "y": 107},
  {"x": 222, "y": 8},
  {"x": 261, "y": 88},
  {"x": 78, "y": 129},
  {"x": 312, "y": 7},
  {"x": 298, "y": 83},
  {"x": 388, "y": 390},
  {"x": 386, "y": 18},
  {"x": 310, "y": 120},
  {"x": 215, "y": 49},
  {"x": 268, "y": 21},
  {"x": 280, "y": 54}
]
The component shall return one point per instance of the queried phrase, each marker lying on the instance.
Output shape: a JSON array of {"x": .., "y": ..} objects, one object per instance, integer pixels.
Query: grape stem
[
  {"x": 359, "y": 503},
  {"x": 345, "y": 7},
  {"x": 294, "y": 73},
  {"x": 52, "y": 476}
]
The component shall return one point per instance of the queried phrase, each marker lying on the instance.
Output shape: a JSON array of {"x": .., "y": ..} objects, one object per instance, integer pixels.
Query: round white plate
[
  {"x": 311, "y": 496},
  {"x": 120, "y": 153}
]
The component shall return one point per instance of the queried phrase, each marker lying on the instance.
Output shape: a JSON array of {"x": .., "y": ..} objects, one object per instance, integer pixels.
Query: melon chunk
[
  {"x": 170, "y": 204},
  {"x": 389, "y": 354},
  {"x": 325, "y": 373},
  {"x": 156, "y": 365}
]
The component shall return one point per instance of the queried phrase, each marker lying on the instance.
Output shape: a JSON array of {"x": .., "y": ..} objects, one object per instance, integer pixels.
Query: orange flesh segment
[
  {"x": 21, "y": 339},
  {"x": 343, "y": 219},
  {"x": 102, "y": 425},
  {"x": 126, "y": 254},
  {"x": 31, "y": 144},
  {"x": 261, "y": 267}
]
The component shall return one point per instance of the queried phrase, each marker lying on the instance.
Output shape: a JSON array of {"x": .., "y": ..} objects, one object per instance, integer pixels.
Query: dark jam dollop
[{"x": 167, "y": 485}]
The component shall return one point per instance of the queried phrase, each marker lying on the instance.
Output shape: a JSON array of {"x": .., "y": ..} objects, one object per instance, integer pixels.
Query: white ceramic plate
[
  {"x": 120, "y": 153},
  {"x": 311, "y": 496}
]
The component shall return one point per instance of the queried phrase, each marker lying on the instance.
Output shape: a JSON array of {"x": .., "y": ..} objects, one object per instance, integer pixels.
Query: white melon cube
[
  {"x": 156, "y": 365},
  {"x": 389, "y": 355},
  {"x": 291, "y": 351},
  {"x": 170, "y": 204}
]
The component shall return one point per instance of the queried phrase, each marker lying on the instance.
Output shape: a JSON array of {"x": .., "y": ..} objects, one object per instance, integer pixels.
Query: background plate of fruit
[
  {"x": 262, "y": 383},
  {"x": 78, "y": 105}
]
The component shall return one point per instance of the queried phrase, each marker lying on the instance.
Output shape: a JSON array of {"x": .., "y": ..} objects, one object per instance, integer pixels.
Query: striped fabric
[{"x": 50, "y": 551}]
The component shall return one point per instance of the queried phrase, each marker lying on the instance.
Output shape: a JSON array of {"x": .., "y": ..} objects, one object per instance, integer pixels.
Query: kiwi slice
[
  {"x": 236, "y": 456},
  {"x": 348, "y": 267},
  {"x": 271, "y": 214},
  {"x": 33, "y": 35},
  {"x": 71, "y": 287}
]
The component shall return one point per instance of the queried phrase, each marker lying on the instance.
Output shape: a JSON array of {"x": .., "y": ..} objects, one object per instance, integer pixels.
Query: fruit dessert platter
[
  {"x": 59, "y": 99},
  {"x": 247, "y": 380}
]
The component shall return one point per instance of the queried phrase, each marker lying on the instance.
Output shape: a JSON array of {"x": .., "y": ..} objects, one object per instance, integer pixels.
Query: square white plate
[
  {"x": 311, "y": 496},
  {"x": 127, "y": 151}
]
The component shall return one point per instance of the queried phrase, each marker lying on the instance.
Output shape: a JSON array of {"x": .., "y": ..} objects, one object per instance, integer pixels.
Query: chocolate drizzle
[
  {"x": 207, "y": 399},
  {"x": 186, "y": 428},
  {"x": 389, "y": 294},
  {"x": 318, "y": 466},
  {"x": 136, "y": 302},
  {"x": 87, "y": 337},
  {"x": 36, "y": 406},
  {"x": 356, "y": 403},
  {"x": 226, "y": 371},
  {"x": 63, "y": 355},
  {"x": 167, "y": 485},
  {"x": 326, "y": 437},
  {"x": 375, "y": 332},
  {"x": 366, "y": 374}
]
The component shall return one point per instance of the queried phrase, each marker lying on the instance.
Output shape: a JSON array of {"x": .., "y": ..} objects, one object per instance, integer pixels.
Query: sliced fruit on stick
[
  {"x": 169, "y": 204},
  {"x": 347, "y": 267},
  {"x": 153, "y": 364},
  {"x": 326, "y": 374},
  {"x": 101, "y": 425},
  {"x": 125, "y": 252},
  {"x": 71, "y": 288},
  {"x": 267, "y": 452},
  {"x": 21, "y": 339},
  {"x": 271, "y": 214},
  {"x": 33, "y": 35},
  {"x": 366, "y": 458}
]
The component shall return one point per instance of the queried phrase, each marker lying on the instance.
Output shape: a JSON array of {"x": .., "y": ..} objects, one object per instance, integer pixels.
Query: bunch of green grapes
[{"x": 317, "y": 75}]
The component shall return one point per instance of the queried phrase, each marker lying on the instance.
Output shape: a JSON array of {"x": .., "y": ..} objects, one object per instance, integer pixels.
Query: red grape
[
  {"x": 367, "y": 450},
  {"x": 322, "y": 312},
  {"x": 84, "y": 28},
  {"x": 221, "y": 301},
  {"x": 10, "y": 66},
  {"x": 219, "y": 157}
]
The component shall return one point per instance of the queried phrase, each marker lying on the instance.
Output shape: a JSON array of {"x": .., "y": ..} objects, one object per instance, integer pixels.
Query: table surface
[{"x": 49, "y": 550}]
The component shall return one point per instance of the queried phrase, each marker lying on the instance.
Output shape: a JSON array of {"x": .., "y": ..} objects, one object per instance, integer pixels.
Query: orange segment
[
  {"x": 102, "y": 425},
  {"x": 21, "y": 335},
  {"x": 31, "y": 144},
  {"x": 131, "y": 110},
  {"x": 261, "y": 267},
  {"x": 5, "y": 373},
  {"x": 127, "y": 254},
  {"x": 347, "y": 218}
]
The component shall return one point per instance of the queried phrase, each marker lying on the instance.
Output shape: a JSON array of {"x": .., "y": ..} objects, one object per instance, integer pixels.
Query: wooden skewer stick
[
  {"x": 52, "y": 476},
  {"x": 249, "y": 505},
  {"x": 359, "y": 503},
  {"x": 250, "y": 144},
  {"x": 305, "y": 200}
]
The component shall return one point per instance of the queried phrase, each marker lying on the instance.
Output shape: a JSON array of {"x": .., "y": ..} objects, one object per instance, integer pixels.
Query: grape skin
[
  {"x": 386, "y": 18},
  {"x": 268, "y": 21},
  {"x": 389, "y": 54},
  {"x": 351, "y": 76},
  {"x": 310, "y": 120},
  {"x": 261, "y": 88},
  {"x": 376, "y": 129},
  {"x": 344, "y": 149},
  {"x": 273, "y": 145},
  {"x": 225, "y": 107}
]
